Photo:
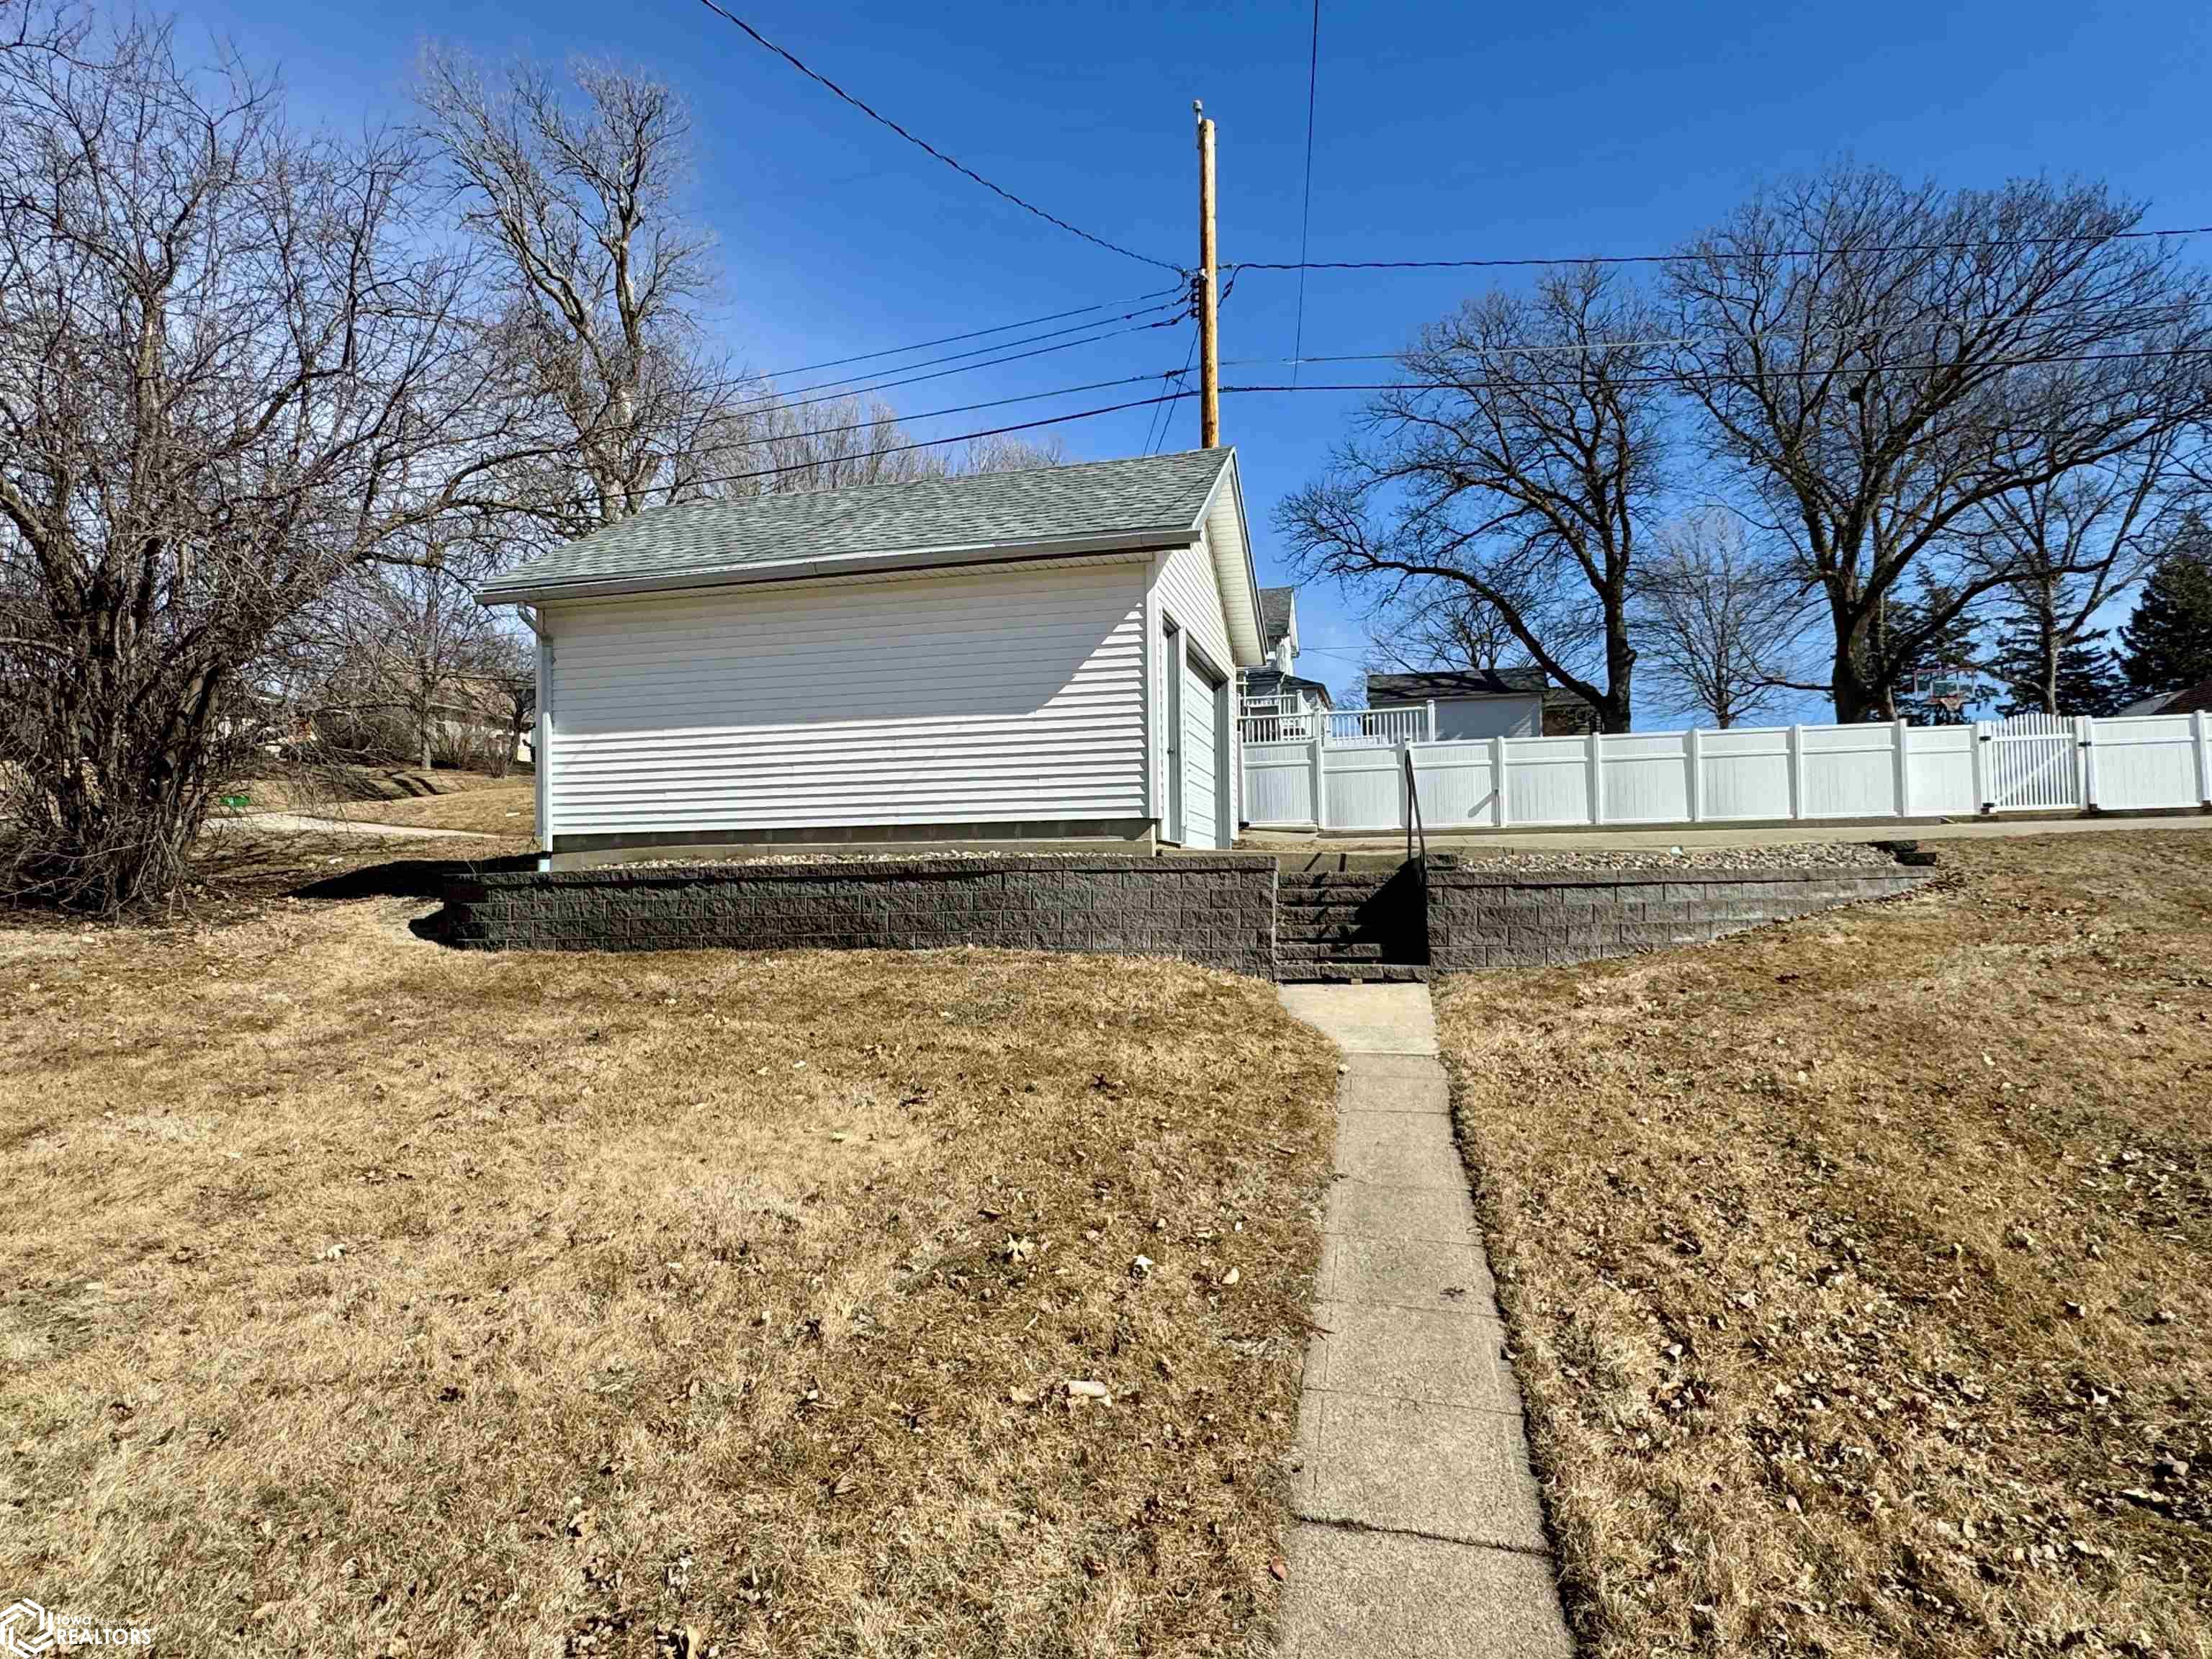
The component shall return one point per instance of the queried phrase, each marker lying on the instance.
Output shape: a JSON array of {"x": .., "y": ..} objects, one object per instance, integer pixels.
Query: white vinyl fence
[{"x": 2031, "y": 762}]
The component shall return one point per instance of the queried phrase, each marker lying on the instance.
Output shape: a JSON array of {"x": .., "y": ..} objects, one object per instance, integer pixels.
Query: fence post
[
  {"x": 1982, "y": 801},
  {"x": 1430, "y": 736},
  {"x": 1597, "y": 779},
  {"x": 1320, "y": 787},
  {"x": 1797, "y": 772},
  {"x": 1694, "y": 746},
  {"x": 2085, "y": 749},
  {"x": 2202, "y": 729},
  {"x": 1903, "y": 767},
  {"x": 1497, "y": 815}
]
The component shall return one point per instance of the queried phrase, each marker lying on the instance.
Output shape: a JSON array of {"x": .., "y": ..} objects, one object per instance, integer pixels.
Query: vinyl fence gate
[{"x": 2037, "y": 763}]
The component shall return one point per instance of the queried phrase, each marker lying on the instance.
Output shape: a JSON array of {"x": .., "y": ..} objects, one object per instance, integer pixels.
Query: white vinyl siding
[
  {"x": 1201, "y": 757},
  {"x": 1007, "y": 696}
]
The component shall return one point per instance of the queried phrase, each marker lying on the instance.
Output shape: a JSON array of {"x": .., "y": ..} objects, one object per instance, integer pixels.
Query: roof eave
[
  {"x": 779, "y": 570},
  {"x": 1244, "y": 629}
]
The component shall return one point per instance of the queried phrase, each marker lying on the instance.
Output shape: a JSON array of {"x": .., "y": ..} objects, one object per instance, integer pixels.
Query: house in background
[
  {"x": 2190, "y": 700},
  {"x": 1004, "y": 656},
  {"x": 1480, "y": 702},
  {"x": 1275, "y": 700}
]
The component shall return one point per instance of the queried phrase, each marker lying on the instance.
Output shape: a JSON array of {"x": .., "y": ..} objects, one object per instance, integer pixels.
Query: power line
[
  {"x": 972, "y": 334},
  {"x": 897, "y": 449},
  {"x": 1802, "y": 372},
  {"x": 849, "y": 380},
  {"x": 955, "y": 409},
  {"x": 1302, "y": 265},
  {"x": 1305, "y": 212},
  {"x": 1163, "y": 417},
  {"x": 882, "y": 119},
  {"x": 848, "y": 388}
]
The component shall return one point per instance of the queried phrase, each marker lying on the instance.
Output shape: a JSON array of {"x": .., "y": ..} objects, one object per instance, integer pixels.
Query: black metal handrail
[{"x": 1413, "y": 828}]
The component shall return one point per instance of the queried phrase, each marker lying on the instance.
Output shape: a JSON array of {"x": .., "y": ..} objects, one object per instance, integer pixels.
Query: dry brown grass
[
  {"x": 336, "y": 786},
  {"x": 360, "y": 1293},
  {"x": 507, "y": 807},
  {"x": 1858, "y": 1269}
]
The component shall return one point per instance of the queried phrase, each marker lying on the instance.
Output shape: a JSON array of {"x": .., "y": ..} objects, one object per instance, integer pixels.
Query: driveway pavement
[{"x": 1419, "y": 1531}]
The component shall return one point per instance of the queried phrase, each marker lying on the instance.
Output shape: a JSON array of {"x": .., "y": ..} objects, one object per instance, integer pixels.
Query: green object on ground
[{"x": 235, "y": 800}]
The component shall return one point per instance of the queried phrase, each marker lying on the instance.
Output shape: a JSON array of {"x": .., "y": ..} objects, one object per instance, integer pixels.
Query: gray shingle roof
[
  {"x": 1044, "y": 504},
  {"x": 1275, "y": 614},
  {"x": 1468, "y": 683}
]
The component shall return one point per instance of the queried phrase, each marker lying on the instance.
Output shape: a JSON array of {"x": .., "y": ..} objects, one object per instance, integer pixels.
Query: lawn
[
  {"x": 360, "y": 1296},
  {"x": 1859, "y": 1271}
]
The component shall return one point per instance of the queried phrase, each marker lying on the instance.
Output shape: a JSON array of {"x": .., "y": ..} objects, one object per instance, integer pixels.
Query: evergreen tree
[
  {"x": 1916, "y": 658},
  {"x": 2089, "y": 680},
  {"x": 2166, "y": 645}
]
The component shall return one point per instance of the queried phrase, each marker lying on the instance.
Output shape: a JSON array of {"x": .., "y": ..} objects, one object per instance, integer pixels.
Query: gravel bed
[{"x": 1795, "y": 855}]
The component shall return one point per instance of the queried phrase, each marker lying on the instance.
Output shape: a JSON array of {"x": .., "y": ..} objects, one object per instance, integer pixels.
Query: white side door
[{"x": 1201, "y": 755}]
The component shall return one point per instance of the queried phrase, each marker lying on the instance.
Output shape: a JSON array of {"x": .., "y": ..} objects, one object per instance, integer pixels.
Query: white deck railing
[{"x": 1279, "y": 720}]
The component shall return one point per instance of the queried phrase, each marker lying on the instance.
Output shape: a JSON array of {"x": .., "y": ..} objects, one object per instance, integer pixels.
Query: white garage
[{"x": 1016, "y": 656}]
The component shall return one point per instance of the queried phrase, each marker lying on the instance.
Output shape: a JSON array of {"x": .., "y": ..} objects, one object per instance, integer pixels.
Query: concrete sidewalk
[{"x": 1419, "y": 1531}]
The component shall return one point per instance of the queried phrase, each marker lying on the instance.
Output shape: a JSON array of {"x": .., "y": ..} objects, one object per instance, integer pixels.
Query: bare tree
[
  {"x": 509, "y": 674},
  {"x": 2073, "y": 543},
  {"x": 1515, "y": 469},
  {"x": 570, "y": 191},
  {"x": 1887, "y": 362},
  {"x": 1718, "y": 621},
  {"x": 228, "y": 369},
  {"x": 409, "y": 652},
  {"x": 1430, "y": 630}
]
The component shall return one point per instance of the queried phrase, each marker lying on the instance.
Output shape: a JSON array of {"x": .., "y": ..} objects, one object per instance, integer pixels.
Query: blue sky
[{"x": 1443, "y": 132}]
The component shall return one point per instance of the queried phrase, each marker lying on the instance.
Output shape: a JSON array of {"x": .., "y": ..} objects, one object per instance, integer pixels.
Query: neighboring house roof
[
  {"x": 1275, "y": 604},
  {"x": 2187, "y": 701},
  {"x": 1272, "y": 682},
  {"x": 1385, "y": 690}
]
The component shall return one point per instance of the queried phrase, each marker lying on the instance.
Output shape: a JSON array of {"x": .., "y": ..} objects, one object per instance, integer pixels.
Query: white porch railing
[{"x": 1279, "y": 720}]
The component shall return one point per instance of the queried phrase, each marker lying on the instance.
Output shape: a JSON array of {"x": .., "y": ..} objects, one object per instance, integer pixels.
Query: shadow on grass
[{"x": 423, "y": 878}]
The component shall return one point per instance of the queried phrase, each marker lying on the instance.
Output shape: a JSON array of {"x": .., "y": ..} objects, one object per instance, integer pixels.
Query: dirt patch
[
  {"x": 360, "y": 1292},
  {"x": 1856, "y": 1269}
]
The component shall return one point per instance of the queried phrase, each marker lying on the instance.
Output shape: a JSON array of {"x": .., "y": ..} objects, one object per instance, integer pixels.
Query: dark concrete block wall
[
  {"x": 1486, "y": 919},
  {"x": 1218, "y": 911}
]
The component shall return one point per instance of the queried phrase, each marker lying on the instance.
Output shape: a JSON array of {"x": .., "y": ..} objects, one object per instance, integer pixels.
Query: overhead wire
[
  {"x": 858, "y": 386},
  {"x": 1305, "y": 210},
  {"x": 900, "y": 449},
  {"x": 1302, "y": 263},
  {"x": 972, "y": 334},
  {"x": 1802, "y": 372},
  {"x": 1162, "y": 417},
  {"x": 965, "y": 171}
]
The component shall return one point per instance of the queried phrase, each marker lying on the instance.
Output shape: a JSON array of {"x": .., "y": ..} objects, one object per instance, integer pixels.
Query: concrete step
[
  {"x": 1327, "y": 950},
  {"x": 1338, "y": 935},
  {"x": 1348, "y": 904},
  {"x": 1331, "y": 883},
  {"x": 1352, "y": 973}
]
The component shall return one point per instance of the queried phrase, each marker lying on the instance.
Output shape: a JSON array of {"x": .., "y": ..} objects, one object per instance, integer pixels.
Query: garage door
[{"x": 1202, "y": 759}]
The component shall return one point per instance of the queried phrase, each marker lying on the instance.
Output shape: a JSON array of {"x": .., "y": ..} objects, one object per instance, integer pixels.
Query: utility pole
[{"x": 1209, "y": 291}]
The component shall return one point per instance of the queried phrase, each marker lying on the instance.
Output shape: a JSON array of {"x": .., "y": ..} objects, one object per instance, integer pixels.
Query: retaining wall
[
  {"x": 1528, "y": 919},
  {"x": 1219, "y": 910}
]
